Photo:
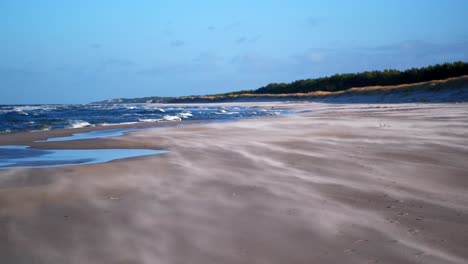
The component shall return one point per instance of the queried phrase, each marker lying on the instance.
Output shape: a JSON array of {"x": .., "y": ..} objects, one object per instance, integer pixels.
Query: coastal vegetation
[
  {"x": 385, "y": 81},
  {"x": 341, "y": 82}
]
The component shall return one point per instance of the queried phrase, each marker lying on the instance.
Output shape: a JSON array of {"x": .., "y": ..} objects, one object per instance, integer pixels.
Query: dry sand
[{"x": 336, "y": 184}]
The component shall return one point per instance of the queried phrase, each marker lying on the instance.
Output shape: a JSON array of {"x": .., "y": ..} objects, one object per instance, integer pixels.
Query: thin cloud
[
  {"x": 418, "y": 50},
  {"x": 207, "y": 58},
  {"x": 178, "y": 43},
  {"x": 171, "y": 69},
  {"x": 76, "y": 70},
  {"x": 114, "y": 64},
  {"x": 10, "y": 71},
  {"x": 241, "y": 40},
  {"x": 119, "y": 62},
  {"x": 203, "y": 62},
  {"x": 231, "y": 26},
  {"x": 156, "y": 70},
  {"x": 256, "y": 38},
  {"x": 255, "y": 63},
  {"x": 167, "y": 32},
  {"x": 402, "y": 55},
  {"x": 312, "y": 22},
  {"x": 95, "y": 45}
]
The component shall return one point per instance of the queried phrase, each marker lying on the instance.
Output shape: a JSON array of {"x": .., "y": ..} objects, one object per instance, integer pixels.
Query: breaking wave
[{"x": 15, "y": 118}]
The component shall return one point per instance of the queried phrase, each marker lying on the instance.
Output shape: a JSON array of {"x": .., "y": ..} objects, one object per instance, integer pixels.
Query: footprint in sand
[
  {"x": 360, "y": 241},
  {"x": 413, "y": 231},
  {"x": 419, "y": 254}
]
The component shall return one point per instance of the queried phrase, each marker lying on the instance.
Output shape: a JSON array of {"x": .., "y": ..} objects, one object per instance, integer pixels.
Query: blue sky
[{"x": 55, "y": 51}]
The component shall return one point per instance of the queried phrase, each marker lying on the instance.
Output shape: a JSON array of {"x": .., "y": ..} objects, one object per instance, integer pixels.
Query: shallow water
[
  {"x": 92, "y": 135},
  {"x": 27, "y": 157}
]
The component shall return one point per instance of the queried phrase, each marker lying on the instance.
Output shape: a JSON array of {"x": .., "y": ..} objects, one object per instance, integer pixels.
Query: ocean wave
[
  {"x": 31, "y": 117},
  {"x": 225, "y": 112},
  {"x": 185, "y": 114},
  {"x": 19, "y": 112},
  {"x": 221, "y": 111},
  {"x": 150, "y": 120},
  {"x": 78, "y": 124},
  {"x": 153, "y": 109},
  {"x": 116, "y": 124},
  {"x": 42, "y": 128},
  {"x": 171, "y": 118},
  {"x": 24, "y": 108}
]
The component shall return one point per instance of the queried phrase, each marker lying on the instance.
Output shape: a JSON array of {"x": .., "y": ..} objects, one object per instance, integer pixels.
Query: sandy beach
[{"x": 333, "y": 183}]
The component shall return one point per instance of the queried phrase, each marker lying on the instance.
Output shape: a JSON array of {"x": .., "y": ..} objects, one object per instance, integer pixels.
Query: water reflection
[{"x": 26, "y": 157}]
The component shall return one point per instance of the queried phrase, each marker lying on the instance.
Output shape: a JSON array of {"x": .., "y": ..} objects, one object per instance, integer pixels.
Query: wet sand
[{"x": 332, "y": 184}]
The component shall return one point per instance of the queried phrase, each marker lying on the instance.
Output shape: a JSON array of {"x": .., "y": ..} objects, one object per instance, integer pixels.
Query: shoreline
[
  {"x": 31, "y": 138},
  {"x": 331, "y": 184}
]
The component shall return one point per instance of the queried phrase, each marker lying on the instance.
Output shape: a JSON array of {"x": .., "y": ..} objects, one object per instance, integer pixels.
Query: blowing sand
[{"x": 336, "y": 184}]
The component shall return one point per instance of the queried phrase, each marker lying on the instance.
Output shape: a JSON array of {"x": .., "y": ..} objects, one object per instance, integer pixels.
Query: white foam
[
  {"x": 185, "y": 114},
  {"x": 33, "y": 108},
  {"x": 150, "y": 120},
  {"x": 152, "y": 108},
  {"x": 224, "y": 112},
  {"x": 116, "y": 124},
  {"x": 221, "y": 112},
  {"x": 45, "y": 128},
  {"x": 171, "y": 118},
  {"x": 78, "y": 124},
  {"x": 20, "y": 112}
]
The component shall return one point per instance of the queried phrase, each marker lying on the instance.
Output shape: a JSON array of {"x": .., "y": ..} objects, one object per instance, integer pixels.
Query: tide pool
[
  {"x": 27, "y": 157},
  {"x": 91, "y": 135}
]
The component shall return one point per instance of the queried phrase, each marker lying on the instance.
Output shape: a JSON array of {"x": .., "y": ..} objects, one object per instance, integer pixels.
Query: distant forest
[
  {"x": 340, "y": 82},
  {"x": 334, "y": 83}
]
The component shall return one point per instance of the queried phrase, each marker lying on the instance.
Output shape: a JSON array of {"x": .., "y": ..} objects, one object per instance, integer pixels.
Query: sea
[{"x": 17, "y": 118}]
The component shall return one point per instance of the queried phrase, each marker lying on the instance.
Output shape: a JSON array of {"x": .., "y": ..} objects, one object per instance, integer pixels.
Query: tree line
[{"x": 340, "y": 82}]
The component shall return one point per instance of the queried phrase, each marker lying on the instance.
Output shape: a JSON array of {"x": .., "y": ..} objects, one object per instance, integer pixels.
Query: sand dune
[
  {"x": 451, "y": 90},
  {"x": 332, "y": 184}
]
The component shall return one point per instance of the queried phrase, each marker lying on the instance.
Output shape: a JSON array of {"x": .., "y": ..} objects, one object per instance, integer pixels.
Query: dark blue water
[{"x": 15, "y": 118}]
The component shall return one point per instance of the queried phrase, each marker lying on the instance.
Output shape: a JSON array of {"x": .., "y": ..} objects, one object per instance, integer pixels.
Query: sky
[{"x": 55, "y": 51}]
